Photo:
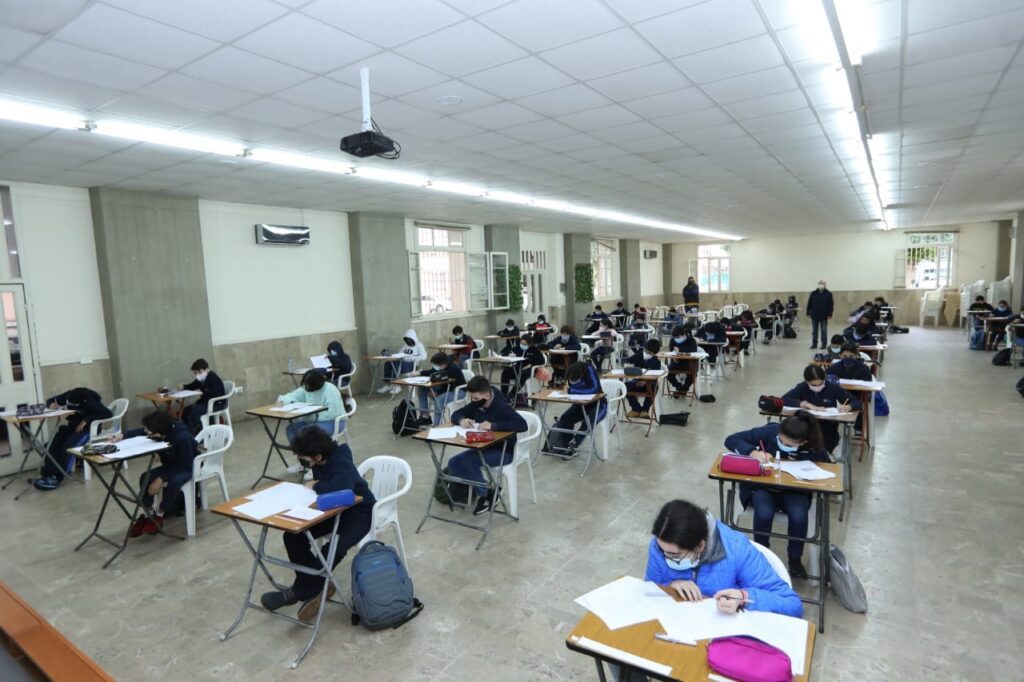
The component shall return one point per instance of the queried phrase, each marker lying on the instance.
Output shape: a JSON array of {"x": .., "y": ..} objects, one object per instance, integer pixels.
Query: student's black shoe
[
  {"x": 813, "y": 346},
  {"x": 272, "y": 601},
  {"x": 796, "y": 568},
  {"x": 46, "y": 483},
  {"x": 425, "y": 421},
  {"x": 483, "y": 505}
]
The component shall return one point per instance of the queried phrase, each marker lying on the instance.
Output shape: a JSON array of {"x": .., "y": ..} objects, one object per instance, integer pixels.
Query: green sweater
[{"x": 329, "y": 396}]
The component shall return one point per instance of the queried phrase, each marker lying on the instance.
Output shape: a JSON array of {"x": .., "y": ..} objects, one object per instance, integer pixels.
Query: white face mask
[
  {"x": 647, "y": 356},
  {"x": 816, "y": 389},
  {"x": 201, "y": 376},
  {"x": 510, "y": 327},
  {"x": 678, "y": 339},
  {"x": 437, "y": 368},
  {"x": 821, "y": 286}
]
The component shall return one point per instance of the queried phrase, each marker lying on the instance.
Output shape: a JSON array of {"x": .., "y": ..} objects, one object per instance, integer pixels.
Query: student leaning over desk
[
  {"x": 210, "y": 385},
  {"x": 87, "y": 407},
  {"x": 814, "y": 393},
  {"x": 315, "y": 390},
  {"x": 700, "y": 557}
]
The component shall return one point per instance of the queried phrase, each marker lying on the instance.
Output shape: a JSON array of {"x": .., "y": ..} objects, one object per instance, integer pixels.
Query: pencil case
[
  {"x": 738, "y": 464},
  {"x": 479, "y": 436},
  {"x": 333, "y": 500}
]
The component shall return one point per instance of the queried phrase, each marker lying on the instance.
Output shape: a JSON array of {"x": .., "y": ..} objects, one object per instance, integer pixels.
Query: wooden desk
[
  {"x": 375, "y": 362},
  {"x": 492, "y": 481},
  {"x": 649, "y": 381},
  {"x": 40, "y": 648},
  {"x": 688, "y": 663},
  {"x": 32, "y": 441},
  {"x": 782, "y": 480},
  {"x": 866, "y": 396},
  {"x": 132, "y": 497},
  {"x": 735, "y": 346},
  {"x": 413, "y": 403},
  {"x": 692, "y": 369},
  {"x": 992, "y": 335},
  {"x": 267, "y": 414},
  {"x": 545, "y": 397},
  {"x": 173, "y": 402},
  {"x": 261, "y": 558}
]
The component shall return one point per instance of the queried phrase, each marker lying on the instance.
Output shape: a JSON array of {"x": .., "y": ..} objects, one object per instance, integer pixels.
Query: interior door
[{"x": 17, "y": 371}]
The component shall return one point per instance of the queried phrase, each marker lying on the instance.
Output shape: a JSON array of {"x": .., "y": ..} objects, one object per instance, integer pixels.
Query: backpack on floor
[
  {"x": 403, "y": 422},
  {"x": 899, "y": 330},
  {"x": 788, "y": 333},
  {"x": 459, "y": 492},
  {"x": 844, "y": 582},
  {"x": 881, "y": 405},
  {"x": 382, "y": 595},
  {"x": 977, "y": 341},
  {"x": 1002, "y": 358},
  {"x": 675, "y": 419},
  {"x": 1020, "y": 387}
]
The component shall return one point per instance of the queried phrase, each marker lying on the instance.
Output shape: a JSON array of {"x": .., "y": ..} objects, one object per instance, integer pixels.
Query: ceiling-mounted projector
[{"x": 371, "y": 141}]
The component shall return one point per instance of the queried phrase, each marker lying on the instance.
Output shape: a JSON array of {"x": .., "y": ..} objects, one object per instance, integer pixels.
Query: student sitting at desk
[
  {"x": 862, "y": 332},
  {"x": 796, "y": 437},
  {"x": 333, "y": 470},
  {"x": 566, "y": 340},
  {"x": 645, "y": 359},
  {"x": 595, "y": 319},
  {"x": 173, "y": 472},
  {"x": 682, "y": 342},
  {"x": 714, "y": 333},
  {"x": 835, "y": 347},
  {"x": 461, "y": 356},
  {"x": 487, "y": 410},
  {"x": 996, "y": 329},
  {"x": 583, "y": 380},
  {"x": 210, "y": 385},
  {"x": 605, "y": 345},
  {"x": 700, "y": 557},
  {"x": 440, "y": 368},
  {"x": 87, "y": 407},
  {"x": 620, "y": 310},
  {"x": 541, "y": 328},
  {"x": 407, "y": 359},
  {"x": 315, "y": 390},
  {"x": 850, "y": 366},
  {"x": 669, "y": 322},
  {"x": 639, "y": 313},
  {"x": 510, "y": 333},
  {"x": 792, "y": 308},
  {"x": 341, "y": 363},
  {"x": 814, "y": 393},
  {"x": 515, "y": 375}
]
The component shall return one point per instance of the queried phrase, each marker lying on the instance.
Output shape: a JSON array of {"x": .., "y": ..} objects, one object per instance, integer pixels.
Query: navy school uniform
[
  {"x": 175, "y": 468},
  {"x": 681, "y": 382},
  {"x": 595, "y": 320},
  {"x": 514, "y": 376},
  {"x": 211, "y": 388},
  {"x": 502, "y": 417},
  {"x": 764, "y": 498},
  {"x": 559, "y": 362},
  {"x": 73, "y": 432},
  {"x": 714, "y": 332},
  {"x": 831, "y": 395},
  {"x": 511, "y": 336},
  {"x": 338, "y": 472},
  {"x": 849, "y": 368},
  {"x": 341, "y": 362},
  {"x": 589, "y": 384},
  {"x": 443, "y": 394},
  {"x": 459, "y": 356},
  {"x": 603, "y": 347},
  {"x": 634, "y": 386}
]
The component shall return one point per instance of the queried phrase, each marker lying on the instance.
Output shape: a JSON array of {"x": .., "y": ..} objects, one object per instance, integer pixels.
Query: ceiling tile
[
  {"x": 958, "y": 66},
  {"x": 445, "y": 128},
  {"x": 629, "y": 132},
  {"x": 391, "y": 114},
  {"x": 669, "y": 103},
  {"x": 563, "y": 22},
  {"x": 235, "y": 128},
  {"x": 129, "y": 36},
  {"x": 87, "y": 66},
  {"x": 223, "y": 20},
  {"x": 924, "y": 15},
  {"x": 564, "y": 101},
  {"x": 52, "y": 90},
  {"x": 769, "y": 104},
  {"x": 753, "y": 54},
  {"x": 247, "y": 71},
  {"x": 486, "y": 141},
  {"x": 601, "y": 55},
  {"x": 390, "y": 75},
  {"x": 499, "y": 115},
  {"x": 1002, "y": 29},
  {"x": 278, "y": 113},
  {"x": 719, "y": 132},
  {"x": 538, "y": 131},
  {"x": 599, "y": 118},
  {"x": 14, "y": 41},
  {"x": 519, "y": 78},
  {"x": 322, "y": 94},
  {"x": 573, "y": 143},
  {"x": 645, "y": 81},
  {"x": 692, "y": 120},
  {"x": 767, "y": 82},
  {"x": 939, "y": 92},
  {"x": 382, "y": 23},
  {"x": 427, "y": 98},
  {"x": 638, "y": 10},
  {"x": 194, "y": 92},
  {"x": 151, "y": 110},
  {"x": 709, "y": 24},
  {"x": 475, "y": 7},
  {"x": 307, "y": 44},
  {"x": 479, "y": 49},
  {"x": 41, "y": 18}
]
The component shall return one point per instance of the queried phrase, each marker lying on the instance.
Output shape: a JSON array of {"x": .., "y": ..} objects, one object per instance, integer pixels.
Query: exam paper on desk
[
  {"x": 446, "y": 432},
  {"x": 806, "y": 471}
]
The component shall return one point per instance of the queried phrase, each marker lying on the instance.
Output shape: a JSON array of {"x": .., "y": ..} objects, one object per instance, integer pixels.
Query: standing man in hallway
[{"x": 819, "y": 309}]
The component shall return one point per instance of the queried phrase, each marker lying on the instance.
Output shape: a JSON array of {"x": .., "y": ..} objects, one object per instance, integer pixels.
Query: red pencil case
[
  {"x": 738, "y": 464},
  {"x": 479, "y": 436}
]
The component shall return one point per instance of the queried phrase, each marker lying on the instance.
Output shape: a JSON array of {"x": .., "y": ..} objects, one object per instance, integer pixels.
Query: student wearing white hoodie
[{"x": 406, "y": 360}]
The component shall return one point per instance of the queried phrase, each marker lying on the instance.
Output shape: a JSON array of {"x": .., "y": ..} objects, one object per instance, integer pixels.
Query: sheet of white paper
[
  {"x": 806, "y": 471},
  {"x": 261, "y": 509},
  {"x": 820, "y": 412},
  {"x": 304, "y": 513},
  {"x": 441, "y": 433},
  {"x": 288, "y": 495},
  {"x": 416, "y": 380},
  {"x": 129, "y": 447},
  {"x": 873, "y": 385},
  {"x": 654, "y": 372},
  {"x": 510, "y": 358},
  {"x": 622, "y": 602},
  {"x": 558, "y": 394},
  {"x": 184, "y": 394},
  {"x": 319, "y": 361},
  {"x": 582, "y": 397},
  {"x": 288, "y": 407}
]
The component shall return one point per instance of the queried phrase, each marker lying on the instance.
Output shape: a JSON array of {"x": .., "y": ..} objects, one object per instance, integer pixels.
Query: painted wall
[
  {"x": 554, "y": 275},
  {"x": 259, "y": 292},
  {"x": 651, "y": 270}
]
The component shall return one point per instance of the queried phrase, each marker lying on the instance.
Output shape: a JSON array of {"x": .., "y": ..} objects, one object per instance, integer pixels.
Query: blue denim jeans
[
  {"x": 467, "y": 465},
  {"x": 393, "y": 369},
  {"x": 292, "y": 430},
  {"x": 440, "y": 401},
  {"x": 766, "y": 501}
]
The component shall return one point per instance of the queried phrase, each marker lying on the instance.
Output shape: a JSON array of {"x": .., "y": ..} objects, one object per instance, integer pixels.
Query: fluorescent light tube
[
  {"x": 23, "y": 112},
  {"x": 169, "y": 137},
  {"x": 300, "y": 161}
]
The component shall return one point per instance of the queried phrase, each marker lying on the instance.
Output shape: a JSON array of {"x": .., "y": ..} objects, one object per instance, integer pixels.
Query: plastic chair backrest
[
  {"x": 105, "y": 428},
  {"x": 775, "y": 562},
  {"x": 533, "y": 429},
  {"x": 614, "y": 389},
  {"x": 229, "y": 388},
  {"x": 386, "y": 478},
  {"x": 215, "y": 438}
]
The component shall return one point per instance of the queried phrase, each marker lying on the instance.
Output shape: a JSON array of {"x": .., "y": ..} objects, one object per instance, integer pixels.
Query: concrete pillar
[
  {"x": 380, "y": 281},
  {"x": 577, "y": 250},
  {"x": 666, "y": 273},
  {"x": 629, "y": 264},
  {"x": 503, "y": 238},
  {"x": 153, "y": 283},
  {"x": 1017, "y": 262},
  {"x": 1004, "y": 246}
]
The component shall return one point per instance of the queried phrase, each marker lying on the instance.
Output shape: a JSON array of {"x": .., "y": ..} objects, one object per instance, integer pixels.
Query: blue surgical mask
[
  {"x": 437, "y": 368},
  {"x": 523, "y": 346},
  {"x": 678, "y": 339},
  {"x": 684, "y": 564},
  {"x": 786, "y": 448},
  {"x": 565, "y": 338},
  {"x": 458, "y": 337}
]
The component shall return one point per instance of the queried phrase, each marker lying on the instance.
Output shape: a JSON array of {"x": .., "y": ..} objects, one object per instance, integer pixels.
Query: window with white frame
[
  {"x": 602, "y": 257},
  {"x": 446, "y": 278},
  {"x": 711, "y": 268},
  {"x": 928, "y": 260}
]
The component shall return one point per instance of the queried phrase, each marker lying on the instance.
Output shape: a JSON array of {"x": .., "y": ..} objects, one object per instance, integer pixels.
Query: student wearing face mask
[
  {"x": 682, "y": 342},
  {"x": 341, "y": 363},
  {"x": 440, "y": 368},
  {"x": 862, "y": 332},
  {"x": 583, "y": 380},
  {"x": 796, "y": 437},
  {"x": 814, "y": 393},
  {"x": 87, "y": 407},
  {"x": 835, "y": 347},
  {"x": 333, "y": 470},
  {"x": 619, "y": 315},
  {"x": 605, "y": 345},
  {"x": 595, "y": 319},
  {"x": 691, "y": 295},
  {"x": 210, "y": 385},
  {"x": 510, "y": 333},
  {"x": 460, "y": 356},
  {"x": 699, "y": 557},
  {"x": 566, "y": 340},
  {"x": 541, "y": 328},
  {"x": 997, "y": 328},
  {"x": 515, "y": 375},
  {"x": 407, "y": 359},
  {"x": 820, "y": 306},
  {"x": 849, "y": 366},
  {"x": 315, "y": 390},
  {"x": 173, "y": 472},
  {"x": 639, "y": 390},
  {"x": 489, "y": 411}
]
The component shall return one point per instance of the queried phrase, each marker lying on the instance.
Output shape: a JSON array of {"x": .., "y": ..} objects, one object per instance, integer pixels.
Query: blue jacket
[
  {"x": 820, "y": 305},
  {"x": 503, "y": 417},
  {"x": 731, "y": 561},
  {"x": 183, "y": 447},
  {"x": 597, "y": 316},
  {"x": 745, "y": 442},
  {"x": 830, "y": 396},
  {"x": 339, "y": 472}
]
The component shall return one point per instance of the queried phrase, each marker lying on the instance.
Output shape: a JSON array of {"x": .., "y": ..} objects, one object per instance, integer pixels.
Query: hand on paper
[
  {"x": 467, "y": 423},
  {"x": 804, "y": 405},
  {"x": 155, "y": 485},
  {"x": 117, "y": 437},
  {"x": 729, "y": 601},
  {"x": 687, "y": 589},
  {"x": 309, "y": 484},
  {"x": 761, "y": 455},
  {"x": 845, "y": 408},
  {"x": 53, "y": 406},
  {"x": 486, "y": 426}
]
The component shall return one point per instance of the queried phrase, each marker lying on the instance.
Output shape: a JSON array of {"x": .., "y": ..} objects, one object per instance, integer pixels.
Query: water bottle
[
  {"x": 338, "y": 498},
  {"x": 291, "y": 364},
  {"x": 778, "y": 464}
]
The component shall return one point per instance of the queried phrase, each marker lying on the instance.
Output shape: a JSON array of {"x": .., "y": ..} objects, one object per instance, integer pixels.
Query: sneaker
[
  {"x": 483, "y": 505},
  {"x": 796, "y": 568},
  {"x": 310, "y": 607},
  {"x": 138, "y": 527},
  {"x": 46, "y": 483},
  {"x": 272, "y": 601},
  {"x": 295, "y": 469},
  {"x": 383, "y": 389},
  {"x": 153, "y": 525},
  {"x": 395, "y": 390},
  {"x": 307, "y": 475}
]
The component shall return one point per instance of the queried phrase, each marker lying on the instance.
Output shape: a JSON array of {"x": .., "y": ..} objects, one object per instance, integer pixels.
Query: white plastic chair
[
  {"x": 931, "y": 303},
  {"x": 584, "y": 351},
  {"x": 103, "y": 429},
  {"x": 775, "y": 562},
  {"x": 390, "y": 478},
  {"x": 709, "y": 316},
  {"x": 223, "y": 415},
  {"x": 510, "y": 471},
  {"x": 741, "y": 308},
  {"x": 728, "y": 311},
  {"x": 344, "y": 381},
  {"x": 813, "y": 551},
  {"x": 350, "y": 407},
  {"x": 216, "y": 440},
  {"x": 615, "y": 391}
]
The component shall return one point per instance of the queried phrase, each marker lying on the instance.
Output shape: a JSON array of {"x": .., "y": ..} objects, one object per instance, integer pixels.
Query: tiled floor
[{"x": 935, "y": 534}]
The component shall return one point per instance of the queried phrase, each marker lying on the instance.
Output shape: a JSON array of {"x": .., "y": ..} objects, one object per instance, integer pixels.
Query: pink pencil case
[{"x": 738, "y": 464}]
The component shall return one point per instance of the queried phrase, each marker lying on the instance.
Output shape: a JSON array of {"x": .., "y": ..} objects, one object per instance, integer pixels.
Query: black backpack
[
  {"x": 675, "y": 419},
  {"x": 402, "y": 420},
  {"x": 1020, "y": 387},
  {"x": 1002, "y": 358},
  {"x": 788, "y": 333},
  {"x": 459, "y": 491}
]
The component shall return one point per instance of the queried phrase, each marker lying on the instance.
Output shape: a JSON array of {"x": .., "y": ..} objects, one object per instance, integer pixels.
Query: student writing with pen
[{"x": 814, "y": 393}]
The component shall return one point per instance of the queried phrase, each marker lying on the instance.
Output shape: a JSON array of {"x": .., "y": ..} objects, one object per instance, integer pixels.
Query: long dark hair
[
  {"x": 803, "y": 426},
  {"x": 681, "y": 523},
  {"x": 814, "y": 373}
]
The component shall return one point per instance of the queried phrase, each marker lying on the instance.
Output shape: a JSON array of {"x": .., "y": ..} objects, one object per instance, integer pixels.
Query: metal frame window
[
  {"x": 711, "y": 268},
  {"x": 928, "y": 260},
  {"x": 445, "y": 278},
  {"x": 602, "y": 257}
]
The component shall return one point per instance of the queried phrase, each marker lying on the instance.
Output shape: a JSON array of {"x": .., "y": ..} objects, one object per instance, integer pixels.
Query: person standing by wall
[
  {"x": 691, "y": 295},
  {"x": 819, "y": 309}
]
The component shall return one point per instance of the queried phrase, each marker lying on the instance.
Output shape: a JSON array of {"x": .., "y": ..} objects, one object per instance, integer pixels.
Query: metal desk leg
[
  {"x": 374, "y": 368},
  {"x": 600, "y": 670},
  {"x": 823, "y": 558},
  {"x": 328, "y": 565},
  {"x": 272, "y": 435},
  {"x": 257, "y": 561}
]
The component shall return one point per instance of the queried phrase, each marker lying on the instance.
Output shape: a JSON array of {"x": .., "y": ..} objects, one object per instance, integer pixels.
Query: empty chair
[
  {"x": 218, "y": 410},
  {"x": 615, "y": 392},
  {"x": 102, "y": 429},
  {"x": 341, "y": 422},
  {"x": 215, "y": 441},
  {"x": 389, "y": 478},
  {"x": 813, "y": 551},
  {"x": 775, "y": 562},
  {"x": 509, "y": 471},
  {"x": 728, "y": 311},
  {"x": 931, "y": 304},
  {"x": 710, "y": 316}
]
